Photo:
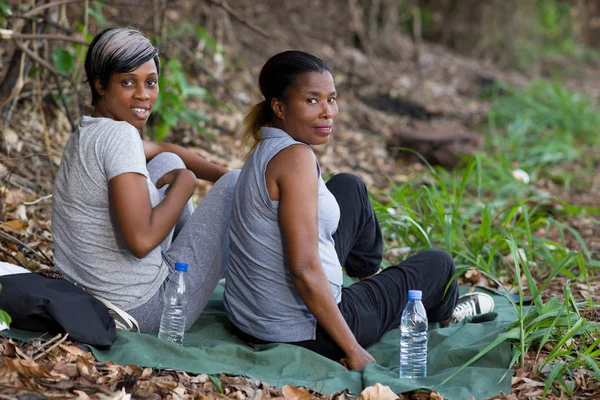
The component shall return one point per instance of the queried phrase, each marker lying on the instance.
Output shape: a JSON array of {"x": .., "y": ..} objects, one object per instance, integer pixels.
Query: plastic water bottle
[
  {"x": 172, "y": 321},
  {"x": 413, "y": 337}
]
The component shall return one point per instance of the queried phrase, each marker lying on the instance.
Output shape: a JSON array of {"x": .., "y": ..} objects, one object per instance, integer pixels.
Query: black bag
[{"x": 40, "y": 304}]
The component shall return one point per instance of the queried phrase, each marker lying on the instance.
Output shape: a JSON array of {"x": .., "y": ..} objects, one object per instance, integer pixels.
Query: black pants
[{"x": 374, "y": 306}]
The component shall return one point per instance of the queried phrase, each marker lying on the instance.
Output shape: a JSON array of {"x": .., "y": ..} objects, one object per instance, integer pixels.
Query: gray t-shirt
[
  {"x": 88, "y": 247},
  {"x": 260, "y": 297}
]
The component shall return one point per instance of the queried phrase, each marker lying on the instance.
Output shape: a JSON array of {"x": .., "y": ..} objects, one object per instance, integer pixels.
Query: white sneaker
[{"x": 471, "y": 304}]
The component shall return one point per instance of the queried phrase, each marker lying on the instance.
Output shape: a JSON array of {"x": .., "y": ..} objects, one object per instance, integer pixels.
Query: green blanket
[{"x": 210, "y": 348}]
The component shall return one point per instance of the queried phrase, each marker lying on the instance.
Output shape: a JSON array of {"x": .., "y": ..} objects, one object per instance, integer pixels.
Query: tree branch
[
  {"x": 234, "y": 14},
  {"x": 38, "y": 59},
  {"x": 8, "y": 34},
  {"x": 41, "y": 8}
]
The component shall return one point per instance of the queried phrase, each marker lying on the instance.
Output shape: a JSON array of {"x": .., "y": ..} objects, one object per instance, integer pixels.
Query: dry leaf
[
  {"x": 133, "y": 370},
  {"x": 292, "y": 392},
  {"x": 31, "y": 369},
  {"x": 166, "y": 384},
  {"x": 74, "y": 350},
  {"x": 378, "y": 392},
  {"x": 21, "y": 213},
  {"x": 13, "y": 197},
  {"x": 81, "y": 395},
  {"x": 122, "y": 395},
  {"x": 85, "y": 367},
  {"x": 16, "y": 224}
]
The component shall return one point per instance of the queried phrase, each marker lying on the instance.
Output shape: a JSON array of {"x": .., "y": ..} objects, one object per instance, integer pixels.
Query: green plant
[
  {"x": 542, "y": 126},
  {"x": 173, "y": 101},
  {"x": 514, "y": 234},
  {"x": 4, "y": 317},
  {"x": 5, "y": 10}
]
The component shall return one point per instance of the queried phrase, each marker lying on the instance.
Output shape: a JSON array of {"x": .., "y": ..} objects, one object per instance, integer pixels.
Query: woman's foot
[
  {"x": 469, "y": 305},
  {"x": 472, "y": 304}
]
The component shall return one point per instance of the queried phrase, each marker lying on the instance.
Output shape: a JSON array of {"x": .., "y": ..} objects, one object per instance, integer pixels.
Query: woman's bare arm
[
  {"x": 292, "y": 179},
  {"x": 202, "y": 168},
  {"x": 142, "y": 227}
]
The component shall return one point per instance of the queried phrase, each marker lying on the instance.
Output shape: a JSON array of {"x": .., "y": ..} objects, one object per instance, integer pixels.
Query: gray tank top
[{"x": 260, "y": 297}]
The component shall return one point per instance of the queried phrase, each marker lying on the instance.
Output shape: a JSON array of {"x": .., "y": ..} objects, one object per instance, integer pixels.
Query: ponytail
[
  {"x": 259, "y": 115},
  {"x": 276, "y": 76}
]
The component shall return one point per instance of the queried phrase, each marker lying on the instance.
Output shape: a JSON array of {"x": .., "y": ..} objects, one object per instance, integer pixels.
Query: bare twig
[
  {"x": 50, "y": 341},
  {"x": 38, "y": 59},
  {"x": 223, "y": 4},
  {"x": 50, "y": 262},
  {"x": 30, "y": 203},
  {"x": 39, "y": 105},
  {"x": 8, "y": 34},
  {"x": 6, "y": 253},
  {"x": 6, "y": 236},
  {"x": 20, "y": 83},
  {"x": 359, "y": 29},
  {"x": 64, "y": 101},
  {"x": 417, "y": 38},
  {"x": 54, "y": 25},
  {"x": 26, "y": 157},
  {"x": 37, "y": 10},
  {"x": 197, "y": 63},
  {"x": 48, "y": 350}
]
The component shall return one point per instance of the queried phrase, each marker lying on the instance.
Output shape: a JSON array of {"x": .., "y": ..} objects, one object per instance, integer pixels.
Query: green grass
[{"x": 511, "y": 231}]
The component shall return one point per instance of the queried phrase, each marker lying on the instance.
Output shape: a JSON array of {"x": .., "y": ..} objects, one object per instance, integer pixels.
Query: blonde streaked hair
[{"x": 117, "y": 50}]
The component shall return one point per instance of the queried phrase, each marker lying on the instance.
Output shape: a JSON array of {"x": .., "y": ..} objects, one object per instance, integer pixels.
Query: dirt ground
[{"x": 391, "y": 91}]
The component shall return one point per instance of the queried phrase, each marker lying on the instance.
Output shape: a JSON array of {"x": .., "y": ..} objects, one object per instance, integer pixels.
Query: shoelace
[{"x": 464, "y": 310}]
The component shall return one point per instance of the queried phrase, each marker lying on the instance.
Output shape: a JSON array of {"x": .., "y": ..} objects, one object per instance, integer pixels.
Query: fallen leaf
[
  {"x": 74, "y": 350},
  {"x": 13, "y": 197},
  {"x": 81, "y": 395},
  {"x": 166, "y": 384},
  {"x": 31, "y": 369},
  {"x": 85, "y": 367},
  {"x": 378, "y": 392},
  {"x": 133, "y": 370},
  {"x": 21, "y": 213},
  {"x": 16, "y": 224},
  {"x": 122, "y": 395},
  {"x": 292, "y": 392}
]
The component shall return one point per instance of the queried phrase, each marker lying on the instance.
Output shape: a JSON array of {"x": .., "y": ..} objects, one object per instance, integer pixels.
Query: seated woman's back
[
  {"x": 260, "y": 297},
  {"x": 88, "y": 248}
]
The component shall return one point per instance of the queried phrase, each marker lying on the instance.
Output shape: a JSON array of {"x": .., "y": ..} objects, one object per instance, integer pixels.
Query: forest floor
[{"x": 389, "y": 90}]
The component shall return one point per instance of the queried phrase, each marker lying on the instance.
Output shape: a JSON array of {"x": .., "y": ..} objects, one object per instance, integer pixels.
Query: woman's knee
[
  {"x": 346, "y": 179},
  {"x": 441, "y": 259},
  {"x": 229, "y": 180},
  {"x": 166, "y": 162},
  {"x": 343, "y": 185}
]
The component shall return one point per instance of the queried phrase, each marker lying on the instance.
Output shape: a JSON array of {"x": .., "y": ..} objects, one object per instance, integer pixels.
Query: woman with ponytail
[{"x": 291, "y": 233}]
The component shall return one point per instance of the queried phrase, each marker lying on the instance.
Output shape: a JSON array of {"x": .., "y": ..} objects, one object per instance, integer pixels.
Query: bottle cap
[
  {"x": 415, "y": 295},
  {"x": 179, "y": 266}
]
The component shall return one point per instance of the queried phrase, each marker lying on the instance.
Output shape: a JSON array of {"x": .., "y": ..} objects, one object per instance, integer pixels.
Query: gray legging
[{"x": 200, "y": 239}]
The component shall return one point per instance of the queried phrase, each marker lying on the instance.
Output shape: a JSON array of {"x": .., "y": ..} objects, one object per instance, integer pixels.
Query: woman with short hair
[
  {"x": 122, "y": 215},
  {"x": 291, "y": 233}
]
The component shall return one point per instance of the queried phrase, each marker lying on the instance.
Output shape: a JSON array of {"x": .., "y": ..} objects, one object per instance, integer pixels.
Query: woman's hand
[
  {"x": 203, "y": 169},
  {"x": 178, "y": 178},
  {"x": 357, "y": 359},
  {"x": 142, "y": 226},
  {"x": 292, "y": 179}
]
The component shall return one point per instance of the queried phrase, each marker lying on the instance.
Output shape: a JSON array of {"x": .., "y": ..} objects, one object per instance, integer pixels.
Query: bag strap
[{"x": 128, "y": 324}]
